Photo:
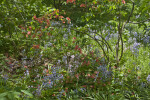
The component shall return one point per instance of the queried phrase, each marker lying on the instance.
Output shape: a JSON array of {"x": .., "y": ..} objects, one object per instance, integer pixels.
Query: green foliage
[{"x": 74, "y": 49}]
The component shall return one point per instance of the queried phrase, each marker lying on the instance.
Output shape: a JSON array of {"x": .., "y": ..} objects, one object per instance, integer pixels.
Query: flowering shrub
[{"x": 63, "y": 59}]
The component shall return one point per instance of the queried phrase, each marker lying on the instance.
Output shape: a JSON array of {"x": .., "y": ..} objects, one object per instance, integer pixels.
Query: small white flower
[{"x": 72, "y": 56}]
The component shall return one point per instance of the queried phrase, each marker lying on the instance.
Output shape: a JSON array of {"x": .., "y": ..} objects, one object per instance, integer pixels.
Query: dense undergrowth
[
  {"x": 53, "y": 57},
  {"x": 74, "y": 75}
]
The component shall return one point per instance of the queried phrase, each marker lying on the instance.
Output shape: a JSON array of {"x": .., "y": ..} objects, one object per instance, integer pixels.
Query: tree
[{"x": 101, "y": 16}]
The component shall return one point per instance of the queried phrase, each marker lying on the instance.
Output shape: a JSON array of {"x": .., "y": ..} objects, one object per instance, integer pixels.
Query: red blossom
[
  {"x": 123, "y": 1},
  {"x": 96, "y": 72},
  {"x": 36, "y": 46},
  {"x": 66, "y": 90},
  {"x": 115, "y": 67},
  {"x": 70, "y": 1},
  {"x": 82, "y": 58},
  {"x": 92, "y": 76},
  {"x": 56, "y": 16},
  {"x": 76, "y": 48},
  {"x": 42, "y": 18},
  {"x": 84, "y": 86},
  {"x": 63, "y": 21},
  {"x": 74, "y": 38},
  {"x": 19, "y": 26},
  {"x": 23, "y": 32},
  {"x": 61, "y": 17},
  {"x": 97, "y": 60},
  {"x": 54, "y": 12},
  {"x": 88, "y": 75},
  {"x": 34, "y": 17},
  {"x": 46, "y": 27},
  {"x": 26, "y": 35},
  {"x": 66, "y": 44},
  {"x": 88, "y": 63},
  {"x": 104, "y": 84},
  {"x": 10, "y": 63},
  {"x": 29, "y": 33},
  {"x": 91, "y": 86},
  {"x": 57, "y": 11},
  {"x": 48, "y": 24},
  {"x": 23, "y": 28},
  {"x": 82, "y": 5},
  {"x": 40, "y": 35},
  {"x": 83, "y": 63},
  {"x": 77, "y": 76},
  {"x": 48, "y": 21},
  {"x": 33, "y": 36},
  {"x": 91, "y": 53},
  {"x": 30, "y": 27},
  {"x": 49, "y": 15},
  {"x": 68, "y": 18},
  {"x": 53, "y": 95},
  {"x": 48, "y": 34},
  {"x": 129, "y": 71},
  {"x": 64, "y": 93},
  {"x": 39, "y": 20},
  {"x": 46, "y": 71},
  {"x": 80, "y": 50},
  {"x": 25, "y": 66}
]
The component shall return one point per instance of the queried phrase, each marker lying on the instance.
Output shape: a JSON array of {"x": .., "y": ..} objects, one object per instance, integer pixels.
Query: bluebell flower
[
  {"x": 65, "y": 36},
  {"x": 38, "y": 91},
  {"x": 148, "y": 78},
  {"x": 5, "y": 77},
  {"x": 135, "y": 34},
  {"x": 83, "y": 89},
  {"x": 97, "y": 37}
]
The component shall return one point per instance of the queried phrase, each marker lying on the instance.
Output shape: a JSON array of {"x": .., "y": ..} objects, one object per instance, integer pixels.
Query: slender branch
[
  {"x": 131, "y": 12},
  {"x": 129, "y": 15},
  {"x": 121, "y": 46},
  {"x": 133, "y": 4},
  {"x": 119, "y": 32},
  {"x": 19, "y": 12},
  {"x": 99, "y": 45},
  {"x": 140, "y": 21},
  {"x": 97, "y": 42},
  {"x": 55, "y": 4},
  {"x": 104, "y": 40}
]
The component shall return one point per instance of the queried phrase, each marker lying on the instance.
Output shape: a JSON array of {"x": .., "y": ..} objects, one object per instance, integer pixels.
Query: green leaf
[
  {"x": 27, "y": 93},
  {"x": 116, "y": 90},
  {"x": 3, "y": 94},
  {"x": 11, "y": 95},
  {"x": 3, "y": 98},
  {"x": 1, "y": 1},
  {"x": 16, "y": 94}
]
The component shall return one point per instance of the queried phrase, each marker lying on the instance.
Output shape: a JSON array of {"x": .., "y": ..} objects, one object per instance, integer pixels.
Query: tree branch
[
  {"x": 129, "y": 15},
  {"x": 140, "y": 21}
]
